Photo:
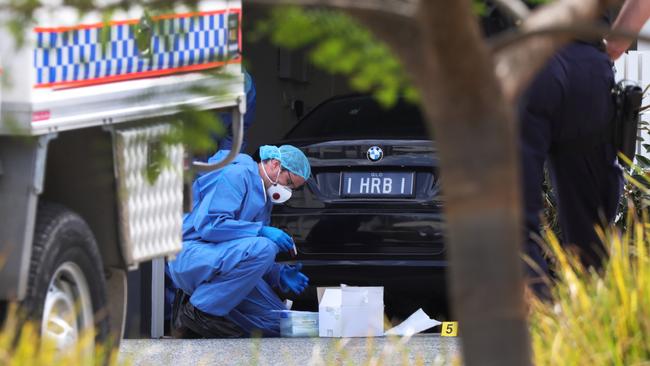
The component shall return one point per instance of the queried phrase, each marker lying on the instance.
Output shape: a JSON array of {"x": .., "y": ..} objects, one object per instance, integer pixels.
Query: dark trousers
[{"x": 564, "y": 115}]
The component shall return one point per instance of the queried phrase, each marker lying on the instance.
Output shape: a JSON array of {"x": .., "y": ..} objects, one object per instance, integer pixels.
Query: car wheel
[{"x": 66, "y": 288}]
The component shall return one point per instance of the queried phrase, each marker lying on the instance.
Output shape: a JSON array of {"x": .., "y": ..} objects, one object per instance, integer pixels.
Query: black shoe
[
  {"x": 178, "y": 330},
  {"x": 190, "y": 322}
]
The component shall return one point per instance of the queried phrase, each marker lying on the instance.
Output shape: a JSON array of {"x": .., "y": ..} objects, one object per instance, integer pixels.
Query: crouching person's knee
[{"x": 266, "y": 250}]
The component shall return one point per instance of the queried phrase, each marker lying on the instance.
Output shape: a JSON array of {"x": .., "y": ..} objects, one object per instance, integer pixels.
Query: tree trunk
[{"x": 476, "y": 136}]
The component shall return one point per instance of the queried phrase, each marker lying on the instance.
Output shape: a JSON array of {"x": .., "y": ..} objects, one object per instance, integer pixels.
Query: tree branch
[
  {"x": 400, "y": 36},
  {"x": 452, "y": 68},
  {"x": 582, "y": 31},
  {"x": 516, "y": 9},
  {"x": 402, "y": 8},
  {"x": 516, "y": 66}
]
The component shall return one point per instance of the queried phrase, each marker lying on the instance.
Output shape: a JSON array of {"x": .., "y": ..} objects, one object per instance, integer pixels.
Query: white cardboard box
[{"x": 350, "y": 311}]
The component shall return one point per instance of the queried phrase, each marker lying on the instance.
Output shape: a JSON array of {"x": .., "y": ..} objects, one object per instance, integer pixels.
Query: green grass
[
  {"x": 597, "y": 318},
  {"x": 21, "y": 345}
]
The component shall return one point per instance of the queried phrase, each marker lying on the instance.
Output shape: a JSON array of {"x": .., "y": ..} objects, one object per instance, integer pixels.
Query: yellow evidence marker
[{"x": 449, "y": 329}]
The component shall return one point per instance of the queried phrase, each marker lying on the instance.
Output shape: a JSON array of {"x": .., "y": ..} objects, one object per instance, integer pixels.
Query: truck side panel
[{"x": 93, "y": 74}]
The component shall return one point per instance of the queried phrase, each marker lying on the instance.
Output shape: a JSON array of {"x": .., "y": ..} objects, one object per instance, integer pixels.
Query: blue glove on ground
[
  {"x": 292, "y": 280},
  {"x": 279, "y": 237}
]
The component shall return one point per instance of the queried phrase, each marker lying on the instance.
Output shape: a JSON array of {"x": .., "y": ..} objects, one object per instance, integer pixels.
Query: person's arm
[
  {"x": 272, "y": 276},
  {"x": 634, "y": 14},
  {"x": 217, "y": 220}
]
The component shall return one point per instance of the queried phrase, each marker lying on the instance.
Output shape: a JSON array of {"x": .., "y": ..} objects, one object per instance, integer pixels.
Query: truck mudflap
[
  {"x": 150, "y": 197},
  {"x": 21, "y": 181}
]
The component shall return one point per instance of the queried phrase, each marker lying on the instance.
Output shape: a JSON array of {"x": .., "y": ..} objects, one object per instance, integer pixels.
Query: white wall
[{"x": 645, "y": 46}]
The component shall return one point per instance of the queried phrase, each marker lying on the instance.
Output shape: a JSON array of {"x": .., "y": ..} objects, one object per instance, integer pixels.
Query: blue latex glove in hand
[
  {"x": 279, "y": 237},
  {"x": 292, "y": 280}
]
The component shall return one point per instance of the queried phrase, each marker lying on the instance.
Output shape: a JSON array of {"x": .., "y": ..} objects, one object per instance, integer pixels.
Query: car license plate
[{"x": 377, "y": 184}]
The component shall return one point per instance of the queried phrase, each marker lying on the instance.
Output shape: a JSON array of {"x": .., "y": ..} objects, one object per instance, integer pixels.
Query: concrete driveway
[{"x": 427, "y": 349}]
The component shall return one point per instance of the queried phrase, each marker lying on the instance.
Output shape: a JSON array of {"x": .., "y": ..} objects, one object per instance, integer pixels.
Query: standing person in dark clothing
[{"x": 565, "y": 119}]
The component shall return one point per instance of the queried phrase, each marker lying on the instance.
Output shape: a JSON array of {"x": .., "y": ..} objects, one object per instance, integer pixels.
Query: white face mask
[{"x": 277, "y": 193}]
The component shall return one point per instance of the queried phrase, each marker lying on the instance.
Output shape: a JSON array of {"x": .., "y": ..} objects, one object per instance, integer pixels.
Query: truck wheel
[{"x": 66, "y": 293}]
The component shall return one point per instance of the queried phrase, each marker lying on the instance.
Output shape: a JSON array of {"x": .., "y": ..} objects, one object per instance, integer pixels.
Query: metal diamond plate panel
[{"x": 150, "y": 213}]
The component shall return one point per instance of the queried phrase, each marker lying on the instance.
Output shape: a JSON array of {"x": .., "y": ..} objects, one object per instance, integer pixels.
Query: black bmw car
[{"x": 371, "y": 213}]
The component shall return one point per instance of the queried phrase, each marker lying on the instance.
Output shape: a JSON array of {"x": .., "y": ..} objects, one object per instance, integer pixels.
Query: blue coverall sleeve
[
  {"x": 217, "y": 217},
  {"x": 272, "y": 277},
  {"x": 264, "y": 216}
]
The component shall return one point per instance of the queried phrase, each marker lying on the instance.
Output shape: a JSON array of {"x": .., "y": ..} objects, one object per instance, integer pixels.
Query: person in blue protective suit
[
  {"x": 226, "y": 269},
  {"x": 223, "y": 143}
]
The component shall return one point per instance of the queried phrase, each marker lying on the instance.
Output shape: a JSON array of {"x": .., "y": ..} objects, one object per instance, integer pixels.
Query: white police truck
[{"x": 84, "y": 103}]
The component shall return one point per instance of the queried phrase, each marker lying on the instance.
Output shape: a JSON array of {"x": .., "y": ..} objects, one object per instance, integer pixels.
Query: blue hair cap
[{"x": 290, "y": 157}]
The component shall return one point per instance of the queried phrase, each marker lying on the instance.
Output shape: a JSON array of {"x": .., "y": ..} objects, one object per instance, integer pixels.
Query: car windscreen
[{"x": 360, "y": 118}]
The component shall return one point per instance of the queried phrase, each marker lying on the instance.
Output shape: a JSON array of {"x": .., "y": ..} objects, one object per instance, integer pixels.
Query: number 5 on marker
[{"x": 449, "y": 329}]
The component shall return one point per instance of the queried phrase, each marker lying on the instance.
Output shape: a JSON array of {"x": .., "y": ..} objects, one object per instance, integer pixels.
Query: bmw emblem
[{"x": 375, "y": 153}]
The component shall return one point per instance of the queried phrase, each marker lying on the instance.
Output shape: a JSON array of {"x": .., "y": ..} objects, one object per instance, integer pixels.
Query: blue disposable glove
[
  {"x": 292, "y": 280},
  {"x": 279, "y": 237}
]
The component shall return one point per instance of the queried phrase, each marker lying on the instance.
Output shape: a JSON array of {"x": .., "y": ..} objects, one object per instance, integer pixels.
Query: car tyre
[{"x": 66, "y": 294}]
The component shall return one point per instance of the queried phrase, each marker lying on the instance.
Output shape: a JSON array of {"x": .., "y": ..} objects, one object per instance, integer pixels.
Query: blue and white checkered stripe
[{"x": 76, "y": 55}]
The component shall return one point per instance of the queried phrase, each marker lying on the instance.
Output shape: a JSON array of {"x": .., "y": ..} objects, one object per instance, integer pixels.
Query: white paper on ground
[{"x": 416, "y": 323}]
